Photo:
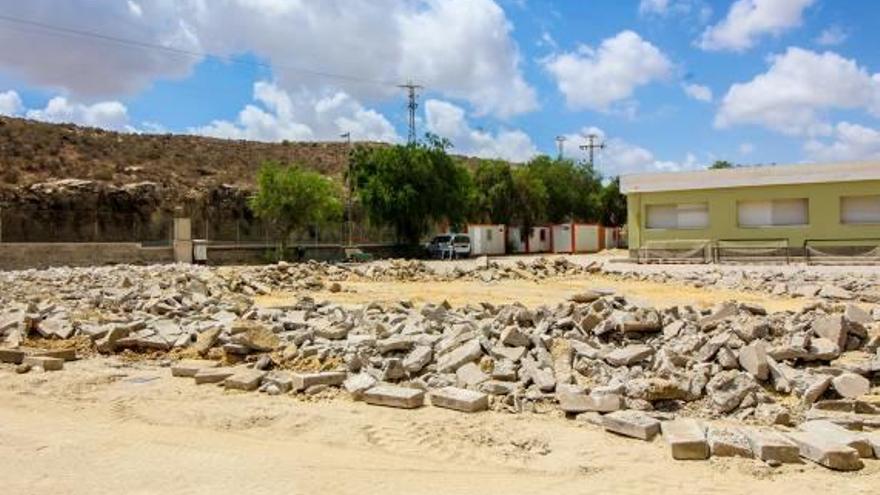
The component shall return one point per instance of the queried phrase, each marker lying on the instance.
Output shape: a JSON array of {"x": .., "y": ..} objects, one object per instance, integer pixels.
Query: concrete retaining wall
[{"x": 20, "y": 256}]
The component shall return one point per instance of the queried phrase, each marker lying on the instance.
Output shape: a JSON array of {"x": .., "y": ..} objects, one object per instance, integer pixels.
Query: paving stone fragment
[
  {"x": 418, "y": 358},
  {"x": 833, "y": 328},
  {"x": 686, "y": 438},
  {"x": 302, "y": 381},
  {"x": 753, "y": 358},
  {"x": 394, "y": 396},
  {"x": 769, "y": 445},
  {"x": 629, "y": 355},
  {"x": 630, "y": 423},
  {"x": 13, "y": 356},
  {"x": 212, "y": 375},
  {"x": 45, "y": 362},
  {"x": 245, "y": 379},
  {"x": 825, "y": 451},
  {"x": 470, "y": 375},
  {"x": 851, "y": 385},
  {"x": 467, "y": 352},
  {"x": 189, "y": 367},
  {"x": 460, "y": 399},
  {"x": 728, "y": 442},
  {"x": 356, "y": 385},
  {"x": 855, "y": 440},
  {"x": 512, "y": 336}
]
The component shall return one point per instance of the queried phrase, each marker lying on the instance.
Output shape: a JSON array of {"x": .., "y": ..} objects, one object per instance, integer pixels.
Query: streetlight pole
[{"x": 349, "y": 179}]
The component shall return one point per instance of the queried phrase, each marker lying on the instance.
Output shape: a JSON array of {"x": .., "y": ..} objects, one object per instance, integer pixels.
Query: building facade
[{"x": 794, "y": 208}]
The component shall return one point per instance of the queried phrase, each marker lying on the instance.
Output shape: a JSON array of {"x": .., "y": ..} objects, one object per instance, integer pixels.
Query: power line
[{"x": 130, "y": 43}]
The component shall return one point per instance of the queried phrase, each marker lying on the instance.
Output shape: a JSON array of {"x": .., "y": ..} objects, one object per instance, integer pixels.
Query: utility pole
[
  {"x": 592, "y": 145},
  {"x": 560, "y": 146},
  {"x": 350, "y": 181},
  {"x": 412, "y": 105}
]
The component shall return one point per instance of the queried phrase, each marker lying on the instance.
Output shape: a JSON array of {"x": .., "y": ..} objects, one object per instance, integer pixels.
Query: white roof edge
[{"x": 750, "y": 176}]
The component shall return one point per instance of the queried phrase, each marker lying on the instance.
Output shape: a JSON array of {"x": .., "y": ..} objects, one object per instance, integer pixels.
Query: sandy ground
[
  {"x": 529, "y": 293},
  {"x": 95, "y": 428}
]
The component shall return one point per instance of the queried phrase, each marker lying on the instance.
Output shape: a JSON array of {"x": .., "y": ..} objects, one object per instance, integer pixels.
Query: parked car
[{"x": 447, "y": 246}]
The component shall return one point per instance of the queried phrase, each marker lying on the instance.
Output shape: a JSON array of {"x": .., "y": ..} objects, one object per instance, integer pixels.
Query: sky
[{"x": 666, "y": 84}]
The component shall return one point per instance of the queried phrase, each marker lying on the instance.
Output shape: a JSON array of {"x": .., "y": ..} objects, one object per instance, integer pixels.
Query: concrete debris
[
  {"x": 728, "y": 442},
  {"x": 772, "y": 446},
  {"x": 824, "y": 450},
  {"x": 460, "y": 399},
  {"x": 634, "y": 424},
  {"x": 686, "y": 438},
  {"x": 393, "y": 396}
]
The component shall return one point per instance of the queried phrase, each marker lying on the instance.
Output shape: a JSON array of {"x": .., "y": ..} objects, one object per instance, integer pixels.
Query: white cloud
[
  {"x": 111, "y": 115},
  {"x": 84, "y": 66},
  {"x": 278, "y": 115},
  {"x": 10, "y": 104},
  {"x": 460, "y": 48},
  {"x": 800, "y": 86},
  {"x": 832, "y": 36},
  {"x": 748, "y": 20},
  {"x": 849, "y": 142},
  {"x": 450, "y": 121},
  {"x": 653, "y": 7},
  {"x": 746, "y": 149},
  {"x": 698, "y": 92},
  {"x": 620, "y": 157},
  {"x": 597, "y": 78}
]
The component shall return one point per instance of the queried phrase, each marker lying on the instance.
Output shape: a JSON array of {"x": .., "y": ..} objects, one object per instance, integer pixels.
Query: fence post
[{"x": 183, "y": 245}]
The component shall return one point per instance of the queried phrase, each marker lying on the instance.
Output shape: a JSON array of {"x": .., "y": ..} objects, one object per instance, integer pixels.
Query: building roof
[{"x": 750, "y": 176}]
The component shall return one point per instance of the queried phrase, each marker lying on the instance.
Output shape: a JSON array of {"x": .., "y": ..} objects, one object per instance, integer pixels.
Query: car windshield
[
  {"x": 440, "y": 238},
  {"x": 462, "y": 239}
]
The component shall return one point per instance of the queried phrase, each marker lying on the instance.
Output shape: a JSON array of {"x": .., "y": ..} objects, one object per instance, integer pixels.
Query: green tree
[
  {"x": 291, "y": 198},
  {"x": 411, "y": 186},
  {"x": 529, "y": 199},
  {"x": 613, "y": 204},
  {"x": 494, "y": 192},
  {"x": 720, "y": 164},
  {"x": 572, "y": 190}
]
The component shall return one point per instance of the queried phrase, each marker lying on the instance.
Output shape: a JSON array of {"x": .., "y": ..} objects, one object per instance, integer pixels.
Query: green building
[{"x": 791, "y": 210}]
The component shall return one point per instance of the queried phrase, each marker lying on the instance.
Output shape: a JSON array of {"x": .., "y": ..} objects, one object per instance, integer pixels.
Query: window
[
  {"x": 543, "y": 235},
  {"x": 489, "y": 235},
  {"x": 773, "y": 213},
  {"x": 678, "y": 216},
  {"x": 860, "y": 209}
]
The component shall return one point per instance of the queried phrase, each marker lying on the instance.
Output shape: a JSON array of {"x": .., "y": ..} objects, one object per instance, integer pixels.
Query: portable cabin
[
  {"x": 487, "y": 239},
  {"x": 578, "y": 238}
]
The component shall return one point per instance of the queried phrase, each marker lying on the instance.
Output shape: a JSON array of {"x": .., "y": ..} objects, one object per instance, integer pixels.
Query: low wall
[
  {"x": 20, "y": 256},
  {"x": 256, "y": 254}
]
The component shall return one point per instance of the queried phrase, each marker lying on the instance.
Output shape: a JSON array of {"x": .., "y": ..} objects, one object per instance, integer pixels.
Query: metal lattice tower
[
  {"x": 592, "y": 145},
  {"x": 412, "y": 105}
]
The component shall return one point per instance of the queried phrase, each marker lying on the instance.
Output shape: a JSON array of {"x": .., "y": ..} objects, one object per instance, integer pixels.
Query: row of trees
[{"x": 416, "y": 186}]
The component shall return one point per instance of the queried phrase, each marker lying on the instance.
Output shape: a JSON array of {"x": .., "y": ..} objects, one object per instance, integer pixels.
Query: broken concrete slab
[
  {"x": 631, "y": 423},
  {"x": 460, "y": 399},
  {"x": 686, "y": 438},
  {"x": 753, "y": 359},
  {"x": 245, "y": 379},
  {"x": 825, "y": 451},
  {"x": 394, "y": 396},
  {"x": 302, "y": 381},
  {"x": 13, "y": 356},
  {"x": 728, "y": 442},
  {"x": 189, "y": 367},
  {"x": 467, "y": 352},
  {"x": 772, "y": 446},
  {"x": 212, "y": 375},
  {"x": 356, "y": 385},
  {"x": 45, "y": 362},
  {"x": 629, "y": 355},
  {"x": 851, "y": 385},
  {"x": 855, "y": 440}
]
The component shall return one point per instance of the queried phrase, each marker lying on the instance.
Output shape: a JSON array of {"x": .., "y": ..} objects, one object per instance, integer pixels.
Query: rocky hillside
[{"x": 33, "y": 152}]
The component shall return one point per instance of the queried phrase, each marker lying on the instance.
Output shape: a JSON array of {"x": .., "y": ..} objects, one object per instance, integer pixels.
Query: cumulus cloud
[
  {"x": 848, "y": 142},
  {"x": 653, "y": 6},
  {"x": 450, "y": 121},
  {"x": 800, "y": 86},
  {"x": 698, "y": 92},
  {"x": 460, "y": 48},
  {"x": 278, "y": 115},
  {"x": 596, "y": 78},
  {"x": 749, "y": 20},
  {"x": 89, "y": 67},
  {"x": 10, "y": 104},
  {"x": 832, "y": 36},
  {"x": 621, "y": 157}
]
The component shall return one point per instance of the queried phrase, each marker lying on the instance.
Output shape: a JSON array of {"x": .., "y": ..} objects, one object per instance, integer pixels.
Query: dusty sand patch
[
  {"x": 94, "y": 429},
  {"x": 531, "y": 293}
]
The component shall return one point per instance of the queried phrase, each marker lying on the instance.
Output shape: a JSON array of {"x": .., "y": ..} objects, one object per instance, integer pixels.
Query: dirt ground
[
  {"x": 98, "y": 428},
  {"x": 530, "y": 293}
]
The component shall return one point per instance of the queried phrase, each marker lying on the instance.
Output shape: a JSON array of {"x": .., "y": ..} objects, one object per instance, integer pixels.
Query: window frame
[
  {"x": 806, "y": 200},
  {"x": 857, "y": 224},
  {"x": 677, "y": 208}
]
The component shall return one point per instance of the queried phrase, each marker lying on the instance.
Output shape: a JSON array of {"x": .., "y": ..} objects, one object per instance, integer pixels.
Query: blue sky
[{"x": 668, "y": 84}]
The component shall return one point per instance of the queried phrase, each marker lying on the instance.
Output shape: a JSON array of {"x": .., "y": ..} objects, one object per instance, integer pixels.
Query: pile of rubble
[
  {"x": 849, "y": 286},
  {"x": 598, "y": 357}
]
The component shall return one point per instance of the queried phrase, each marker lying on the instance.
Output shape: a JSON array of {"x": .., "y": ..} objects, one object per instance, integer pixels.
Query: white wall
[
  {"x": 562, "y": 238},
  {"x": 536, "y": 244},
  {"x": 586, "y": 238},
  {"x": 515, "y": 241},
  {"x": 487, "y": 239}
]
